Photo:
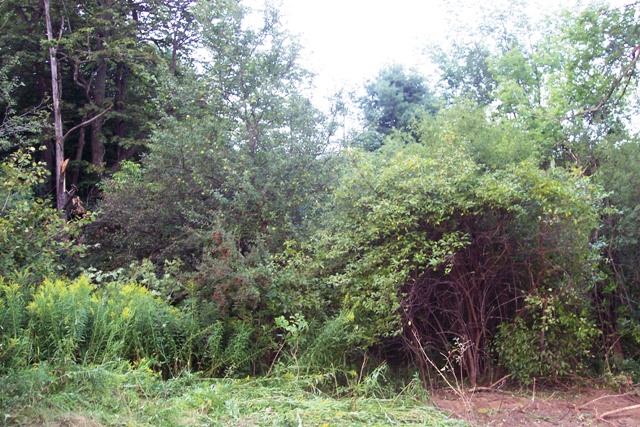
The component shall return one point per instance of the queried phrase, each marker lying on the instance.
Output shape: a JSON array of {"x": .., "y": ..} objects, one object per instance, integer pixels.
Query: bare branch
[
  {"x": 617, "y": 411},
  {"x": 600, "y": 398},
  {"x": 86, "y": 122}
]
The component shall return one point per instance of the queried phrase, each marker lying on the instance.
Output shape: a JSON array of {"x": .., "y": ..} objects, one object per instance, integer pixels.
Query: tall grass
[
  {"x": 74, "y": 353},
  {"x": 66, "y": 322},
  {"x": 58, "y": 318},
  {"x": 63, "y": 321}
]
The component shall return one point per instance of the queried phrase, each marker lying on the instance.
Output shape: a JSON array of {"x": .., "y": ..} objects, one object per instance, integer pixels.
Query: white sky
[{"x": 347, "y": 42}]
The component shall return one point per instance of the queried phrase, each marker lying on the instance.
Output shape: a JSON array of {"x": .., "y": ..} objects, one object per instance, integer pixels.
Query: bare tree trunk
[
  {"x": 62, "y": 196},
  {"x": 99, "y": 90},
  {"x": 56, "y": 95}
]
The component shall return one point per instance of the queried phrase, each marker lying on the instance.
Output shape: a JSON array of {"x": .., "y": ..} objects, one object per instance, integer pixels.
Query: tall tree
[
  {"x": 394, "y": 100},
  {"x": 472, "y": 39},
  {"x": 107, "y": 55},
  {"x": 247, "y": 152},
  {"x": 62, "y": 196}
]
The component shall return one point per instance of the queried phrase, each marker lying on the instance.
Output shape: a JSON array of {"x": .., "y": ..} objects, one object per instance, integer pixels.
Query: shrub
[
  {"x": 551, "y": 341},
  {"x": 235, "y": 283},
  {"x": 423, "y": 245},
  {"x": 34, "y": 238},
  {"x": 130, "y": 322},
  {"x": 59, "y": 316},
  {"x": 13, "y": 342}
]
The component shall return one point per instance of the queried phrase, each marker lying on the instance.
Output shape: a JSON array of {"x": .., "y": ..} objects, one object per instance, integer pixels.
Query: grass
[{"x": 121, "y": 395}]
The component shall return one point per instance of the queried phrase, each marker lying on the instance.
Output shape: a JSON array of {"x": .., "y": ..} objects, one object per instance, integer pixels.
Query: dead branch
[
  {"x": 625, "y": 72},
  {"x": 485, "y": 389},
  {"x": 620, "y": 410},
  {"x": 492, "y": 388},
  {"x": 599, "y": 398}
]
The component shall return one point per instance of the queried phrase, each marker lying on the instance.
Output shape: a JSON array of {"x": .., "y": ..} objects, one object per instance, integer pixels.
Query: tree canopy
[{"x": 394, "y": 101}]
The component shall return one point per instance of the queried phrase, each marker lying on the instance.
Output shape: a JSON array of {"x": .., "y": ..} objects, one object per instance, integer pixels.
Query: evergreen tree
[{"x": 393, "y": 101}]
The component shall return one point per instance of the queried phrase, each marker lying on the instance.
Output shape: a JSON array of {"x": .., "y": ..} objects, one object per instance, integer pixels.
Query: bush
[
  {"x": 76, "y": 322},
  {"x": 59, "y": 316},
  {"x": 423, "y": 246},
  {"x": 34, "y": 238},
  {"x": 552, "y": 341},
  {"x": 13, "y": 342},
  {"x": 130, "y": 322}
]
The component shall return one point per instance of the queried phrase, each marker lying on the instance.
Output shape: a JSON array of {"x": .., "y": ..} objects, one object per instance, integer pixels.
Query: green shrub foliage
[
  {"x": 35, "y": 242},
  {"x": 551, "y": 338},
  {"x": 75, "y": 321},
  {"x": 59, "y": 316},
  {"x": 425, "y": 245}
]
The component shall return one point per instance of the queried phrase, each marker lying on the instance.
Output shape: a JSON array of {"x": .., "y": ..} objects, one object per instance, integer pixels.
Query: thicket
[{"x": 487, "y": 226}]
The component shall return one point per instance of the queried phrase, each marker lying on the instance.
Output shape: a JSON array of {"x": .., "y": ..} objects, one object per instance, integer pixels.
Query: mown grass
[{"x": 121, "y": 395}]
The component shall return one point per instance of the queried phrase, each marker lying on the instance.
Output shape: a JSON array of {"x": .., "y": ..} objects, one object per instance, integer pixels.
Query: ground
[{"x": 573, "y": 408}]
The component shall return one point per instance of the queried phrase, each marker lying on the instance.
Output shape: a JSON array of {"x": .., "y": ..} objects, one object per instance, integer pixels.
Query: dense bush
[
  {"x": 552, "y": 338},
  {"x": 432, "y": 248},
  {"x": 36, "y": 242}
]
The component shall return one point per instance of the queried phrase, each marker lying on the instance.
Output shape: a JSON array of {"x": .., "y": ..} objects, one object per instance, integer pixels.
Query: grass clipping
[{"x": 97, "y": 396}]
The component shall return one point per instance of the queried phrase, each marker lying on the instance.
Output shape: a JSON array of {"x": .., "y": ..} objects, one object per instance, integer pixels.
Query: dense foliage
[
  {"x": 394, "y": 101},
  {"x": 434, "y": 248},
  {"x": 483, "y": 223},
  {"x": 34, "y": 238}
]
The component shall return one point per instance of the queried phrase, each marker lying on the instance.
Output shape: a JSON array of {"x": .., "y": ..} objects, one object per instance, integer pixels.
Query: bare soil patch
[
  {"x": 71, "y": 420},
  {"x": 575, "y": 408}
]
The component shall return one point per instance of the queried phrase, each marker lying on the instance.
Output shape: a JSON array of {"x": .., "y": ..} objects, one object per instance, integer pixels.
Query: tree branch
[
  {"x": 617, "y": 411},
  {"x": 626, "y": 72},
  {"x": 86, "y": 122}
]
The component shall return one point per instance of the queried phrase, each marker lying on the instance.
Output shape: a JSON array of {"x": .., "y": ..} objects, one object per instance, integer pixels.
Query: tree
[
  {"x": 63, "y": 198},
  {"x": 473, "y": 39},
  {"x": 249, "y": 153},
  {"x": 17, "y": 128},
  {"x": 395, "y": 100},
  {"x": 586, "y": 76},
  {"x": 108, "y": 57},
  {"x": 466, "y": 72}
]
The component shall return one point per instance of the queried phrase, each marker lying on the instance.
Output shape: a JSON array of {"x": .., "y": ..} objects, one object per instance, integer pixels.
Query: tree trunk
[
  {"x": 120, "y": 102},
  {"x": 99, "y": 87},
  {"x": 99, "y": 92},
  {"x": 56, "y": 95},
  {"x": 79, "y": 151},
  {"x": 174, "y": 55}
]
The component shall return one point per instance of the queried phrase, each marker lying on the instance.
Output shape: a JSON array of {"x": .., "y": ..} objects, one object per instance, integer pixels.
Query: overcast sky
[{"x": 346, "y": 42}]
